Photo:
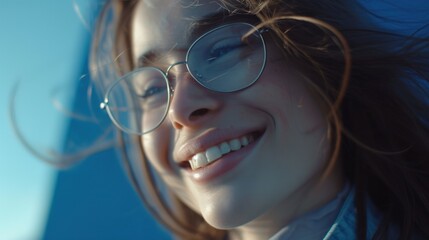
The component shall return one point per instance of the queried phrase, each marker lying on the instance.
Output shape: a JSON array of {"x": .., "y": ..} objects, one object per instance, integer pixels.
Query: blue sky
[{"x": 41, "y": 46}]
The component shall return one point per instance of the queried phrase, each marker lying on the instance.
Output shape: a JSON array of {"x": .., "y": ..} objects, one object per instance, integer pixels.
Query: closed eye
[
  {"x": 152, "y": 91},
  {"x": 225, "y": 47}
]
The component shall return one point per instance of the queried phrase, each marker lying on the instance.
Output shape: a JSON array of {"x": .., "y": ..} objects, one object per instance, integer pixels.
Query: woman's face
[{"x": 270, "y": 180}]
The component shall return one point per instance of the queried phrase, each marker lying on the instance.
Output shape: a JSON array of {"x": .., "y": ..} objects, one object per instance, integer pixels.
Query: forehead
[{"x": 160, "y": 25}]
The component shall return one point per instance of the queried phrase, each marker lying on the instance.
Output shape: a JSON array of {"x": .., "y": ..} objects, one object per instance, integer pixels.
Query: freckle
[{"x": 300, "y": 103}]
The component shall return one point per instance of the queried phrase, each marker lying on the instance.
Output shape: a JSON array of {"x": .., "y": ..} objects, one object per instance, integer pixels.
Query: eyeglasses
[{"x": 225, "y": 59}]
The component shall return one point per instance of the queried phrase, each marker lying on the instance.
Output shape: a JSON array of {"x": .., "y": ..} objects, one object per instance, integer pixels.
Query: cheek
[
  {"x": 156, "y": 146},
  {"x": 291, "y": 99},
  {"x": 306, "y": 114}
]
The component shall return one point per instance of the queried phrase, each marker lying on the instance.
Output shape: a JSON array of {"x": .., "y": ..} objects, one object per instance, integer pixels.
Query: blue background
[{"x": 44, "y": 47}]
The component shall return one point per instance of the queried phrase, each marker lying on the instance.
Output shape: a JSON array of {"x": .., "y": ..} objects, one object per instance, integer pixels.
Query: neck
[{"x": 309, "y": 197}]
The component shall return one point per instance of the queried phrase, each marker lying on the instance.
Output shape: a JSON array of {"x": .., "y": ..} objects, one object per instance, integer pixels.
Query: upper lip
[{"x": 202, "y": 142}]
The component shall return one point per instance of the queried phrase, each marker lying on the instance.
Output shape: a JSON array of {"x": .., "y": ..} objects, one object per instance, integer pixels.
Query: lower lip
[{"x": 222, "y": 166}]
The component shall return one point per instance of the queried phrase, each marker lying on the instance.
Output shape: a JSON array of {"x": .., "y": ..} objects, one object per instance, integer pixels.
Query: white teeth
[
  {"x": 235, "y": 144},
  {"x": 191, "y": 162},
  {"x": 213, "y": 153},
  {"x": 224, "y": 148},
  {"x": 244, "y": 141},
  {"x": 199, "y": 159}
]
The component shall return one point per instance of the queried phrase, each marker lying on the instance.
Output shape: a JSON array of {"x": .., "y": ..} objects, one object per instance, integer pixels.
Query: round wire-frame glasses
[{"x": 226, "y": 59}]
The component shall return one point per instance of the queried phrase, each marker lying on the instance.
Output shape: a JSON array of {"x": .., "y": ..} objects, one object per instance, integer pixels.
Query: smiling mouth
[{"x": 214, "y": 153}]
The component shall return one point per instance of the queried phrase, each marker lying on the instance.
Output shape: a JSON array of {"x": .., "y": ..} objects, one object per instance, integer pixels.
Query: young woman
[{"x": 269, "y": 119}]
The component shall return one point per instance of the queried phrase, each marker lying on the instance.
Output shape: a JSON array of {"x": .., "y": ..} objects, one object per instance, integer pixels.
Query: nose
[{"x": 191, "y": 104}]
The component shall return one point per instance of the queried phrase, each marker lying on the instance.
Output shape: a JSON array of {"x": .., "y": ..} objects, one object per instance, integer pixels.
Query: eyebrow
[{"x": 198, "y": 28}]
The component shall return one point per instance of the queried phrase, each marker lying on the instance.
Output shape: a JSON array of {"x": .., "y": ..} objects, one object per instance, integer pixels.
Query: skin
[{"x": 280, "y": 178}]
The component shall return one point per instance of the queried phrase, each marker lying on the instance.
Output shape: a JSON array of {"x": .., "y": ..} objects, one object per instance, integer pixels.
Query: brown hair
[{"x": 378, "y": 106}]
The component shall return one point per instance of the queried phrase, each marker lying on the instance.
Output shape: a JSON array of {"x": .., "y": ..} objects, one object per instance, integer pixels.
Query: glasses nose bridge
[
  {"x": 168, "y": 71},
  {"x": 173, "y": 65}
]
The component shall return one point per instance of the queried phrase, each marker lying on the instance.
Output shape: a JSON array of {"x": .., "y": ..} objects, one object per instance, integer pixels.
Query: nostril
[{"x": 198, "y": 113}]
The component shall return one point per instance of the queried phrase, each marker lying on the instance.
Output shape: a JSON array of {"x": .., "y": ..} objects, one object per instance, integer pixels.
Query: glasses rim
[
  {"x": 104, "y": 105},
  {"x": 254, "y": 30}
]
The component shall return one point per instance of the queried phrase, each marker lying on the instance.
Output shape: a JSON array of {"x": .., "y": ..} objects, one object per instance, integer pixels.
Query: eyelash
[{"x": 223, "y": 49}]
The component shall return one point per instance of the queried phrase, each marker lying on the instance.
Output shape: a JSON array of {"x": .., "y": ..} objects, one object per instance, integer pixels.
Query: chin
[{"x": 229, "y": 214}]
